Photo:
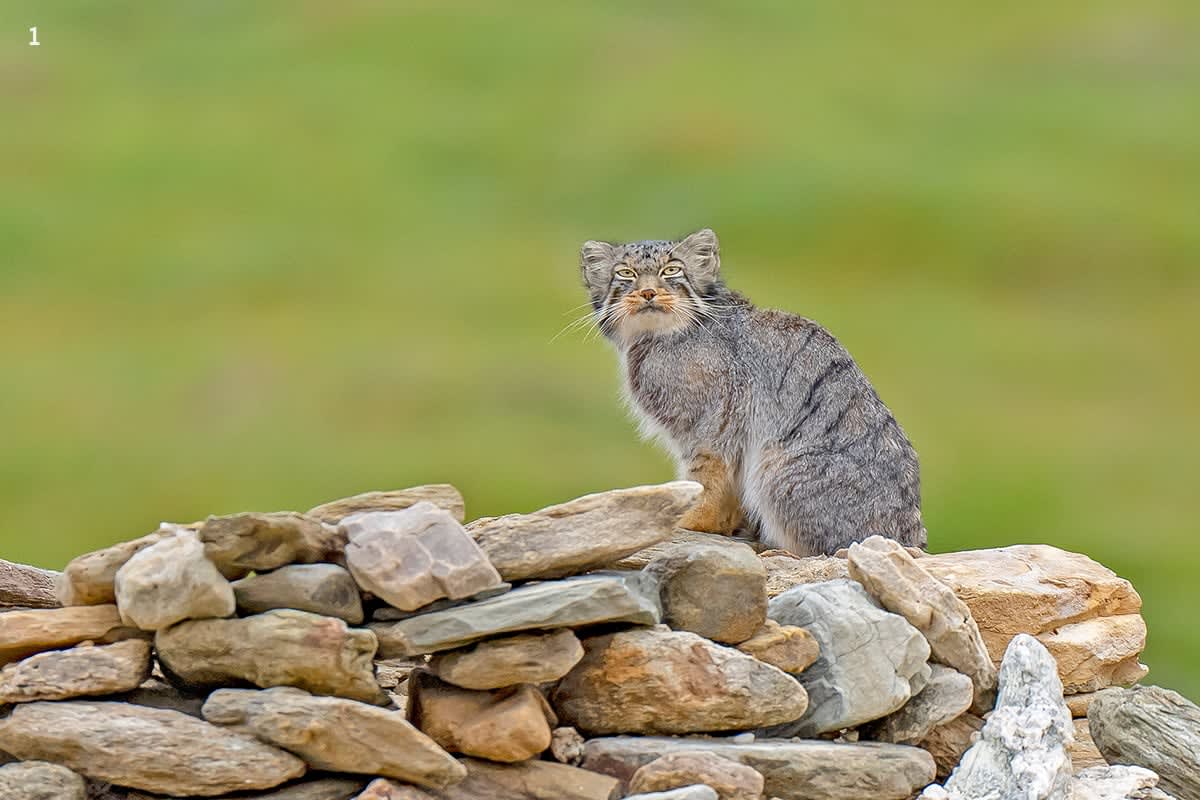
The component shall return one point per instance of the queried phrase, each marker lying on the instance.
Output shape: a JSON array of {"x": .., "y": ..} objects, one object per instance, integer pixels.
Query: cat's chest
[{"x": 673, "y": 382}]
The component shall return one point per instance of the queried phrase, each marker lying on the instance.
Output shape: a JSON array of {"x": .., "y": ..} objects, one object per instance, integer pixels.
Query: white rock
[{"x": 170, "y": 581}]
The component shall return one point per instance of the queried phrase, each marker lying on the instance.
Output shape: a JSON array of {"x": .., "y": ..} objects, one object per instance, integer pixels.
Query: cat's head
[{"x": 656, "y": 287}]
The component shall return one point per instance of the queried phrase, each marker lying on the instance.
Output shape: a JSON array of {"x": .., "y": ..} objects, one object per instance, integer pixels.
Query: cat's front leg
[{"x": 719, "y": 509}]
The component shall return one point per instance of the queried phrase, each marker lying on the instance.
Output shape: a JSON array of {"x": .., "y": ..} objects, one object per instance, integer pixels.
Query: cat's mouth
[{"x": 651, "y": 307}]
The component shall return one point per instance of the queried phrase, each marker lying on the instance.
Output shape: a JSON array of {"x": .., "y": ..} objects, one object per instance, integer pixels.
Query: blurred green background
[{"x": 261, "y": 255}]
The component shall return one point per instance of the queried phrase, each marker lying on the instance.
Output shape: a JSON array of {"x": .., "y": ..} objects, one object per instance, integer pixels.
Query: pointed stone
[
  {"x": 170, "y": 581},
  {"x": 144, "y": 748},
  {"x": 574, "y": 602},
  {"x": 583, "y": 534},
  {"x": 442, "y": 495},
  {"x": 80, "y": 671},
  {"x": 325, "y": 589},
  {"x": 654, "y": 680},
  {"x": 334, "y": 734},
  {"x": 413, "y": 557},
  {"x": 791, "y": 769},
  {"x": 319, "y": 654}
]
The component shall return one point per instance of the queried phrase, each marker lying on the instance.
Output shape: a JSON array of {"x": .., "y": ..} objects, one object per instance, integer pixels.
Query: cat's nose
[{"x": 648, "y": 294}]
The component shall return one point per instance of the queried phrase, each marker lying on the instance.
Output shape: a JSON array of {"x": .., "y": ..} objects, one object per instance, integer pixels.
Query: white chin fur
[{"x": 658, "y": 322}]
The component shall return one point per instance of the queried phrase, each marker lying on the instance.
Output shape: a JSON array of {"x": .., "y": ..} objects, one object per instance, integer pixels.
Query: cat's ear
[
  {"x": 700, "y": 253},
  {"x": 596, "y": 263}
]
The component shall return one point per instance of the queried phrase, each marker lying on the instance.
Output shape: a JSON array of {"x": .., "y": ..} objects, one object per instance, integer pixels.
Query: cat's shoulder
[{"x": 776, "y": 323}]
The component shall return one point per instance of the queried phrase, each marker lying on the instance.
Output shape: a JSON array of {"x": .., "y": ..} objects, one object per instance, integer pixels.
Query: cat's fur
[{"x": 765, "y": 409}]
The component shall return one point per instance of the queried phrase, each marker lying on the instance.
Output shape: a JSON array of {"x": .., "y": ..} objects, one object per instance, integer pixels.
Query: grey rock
[
  {"x": 250, "y": 542},
  {"x": 1103, "y": 782},
  {"x": 310, "y": 788},
  {"x": 694, "y": 792},
  {"x": 392, "y": 614},
  {"x": 573, "y": 602},
  {"x": 566, "y": 745},
  {"x": 1151, "y": 727},
  {"x": 947, "y": 695},
  {"x": 81, "y": 671},
  {"x": 508, "y": 661},
  {"x": 170, "y": 581},
  {"x": 791, "y": 770},
  {"x": 325, "y": 589},
  {"x": 442, "y": 495},
  {"x": 586, "y": 533},
  {"x": 1023, "y": 748},
  {"x": 413, "y": 557},
  {"x": 383, "y": 789},
  {"x": 335, "y": 734},
  {"x": 31, "y": 631},
  {"x": 718, "y": 591},
  {"x": 655, "y": 680},
  {"x": 279, "y": 648},
  {"x": 22, "y": 586},
  {"x": 40, "y": 780},
  {"x": 901, "y": 585},
  {"x": 88, "y": 579},
  {"x": 531, "y": 780},
  {"x": 144, "y": 748},
  {"x": 871, "y": 661}
]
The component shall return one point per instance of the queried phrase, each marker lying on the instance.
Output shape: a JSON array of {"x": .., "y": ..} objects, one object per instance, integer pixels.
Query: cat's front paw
[{"x": 706, "y": 519}]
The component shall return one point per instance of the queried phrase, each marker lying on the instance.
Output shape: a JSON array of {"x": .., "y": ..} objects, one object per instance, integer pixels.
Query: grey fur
[{"x": 814, "y": 456}]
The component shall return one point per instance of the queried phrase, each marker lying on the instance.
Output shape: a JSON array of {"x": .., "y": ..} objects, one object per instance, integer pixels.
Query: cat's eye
[
  {"x": 627, "y": 274},
  {"x": 671, "y": 270}
]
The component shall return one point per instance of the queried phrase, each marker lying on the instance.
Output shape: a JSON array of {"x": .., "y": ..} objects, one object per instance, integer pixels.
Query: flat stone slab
[
  {"x": 584, "y": 600},
  {"x": 22, "y": 586},
  {"x": 23, "y": 633},
  {"x": 792, "y": 770},
  {"x": 144, "y": 748},
  {"x": 442, "y": 495},
  {"x": 510, "y": 660},
  {"x": 80, "y": 671},
  {"x": 334, "y": 734},
  {"x": 325, "y": 589},
  {"x": 531, "y": 780},
  {"x": 586, "y": 533}
]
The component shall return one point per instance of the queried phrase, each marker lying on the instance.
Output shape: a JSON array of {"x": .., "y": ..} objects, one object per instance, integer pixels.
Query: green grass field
[{"x": 260, "y": 255}]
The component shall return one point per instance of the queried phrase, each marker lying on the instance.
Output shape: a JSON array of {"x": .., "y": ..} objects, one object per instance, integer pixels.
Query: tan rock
[
  {"x": 496, "y": 663},
  {"x": 947, "y": 743},
  {"x": 508, "y": 725},
  {"x": 383, "y": 789},
  {"x": 81, "y": 671},
  {"x": 243, "y": 543},
  {"x": 904, "y": 587},
  {"x": 334, "y": 734},
  {"x": 730, "y": 779},
  {"x": 566, "y": 745},
  {"x": 329, "y": 788},
  {"x": 1098, "y": 652},
  {"x": 144, "y": 748},
  {"x": 325, "y": 589},
  {"x": 23, "y": 586},
  {"x": 1030, "y": 589},
  {"x": 442, "y": 495},
  {"x": 170, "y": 581},
  {"x": 529, "y": 780},
  {"x": 24, "y": 633},
  {"x": 1083, "y": 750},
  {"x": 681, "y": 538},
  {"x": 654, "y": 680},
  {"x": 716, "y": 591},
  {"x": 279, "y": 648},
  {"x": 584, "y": 534},
  {"x": 788, "y": 647},
  {"x": 696, "y": 791},
  {"x": 1078, "y": 704},
  {"x": 157, "y": 693},
  {"x": 413, "y": 557},
  {"x": 88, "y": 579},
  {"x": 785, "y": 570},
  {"x": 40, "y": 780}
]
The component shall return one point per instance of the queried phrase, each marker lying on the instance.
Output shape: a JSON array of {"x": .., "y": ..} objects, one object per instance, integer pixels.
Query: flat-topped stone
[
  {"x": 26, "y": 632},
  {"x": 584, "y": 600},
  {"x": 442, "y": 495},
  {"x": 79, "y": 671}
]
